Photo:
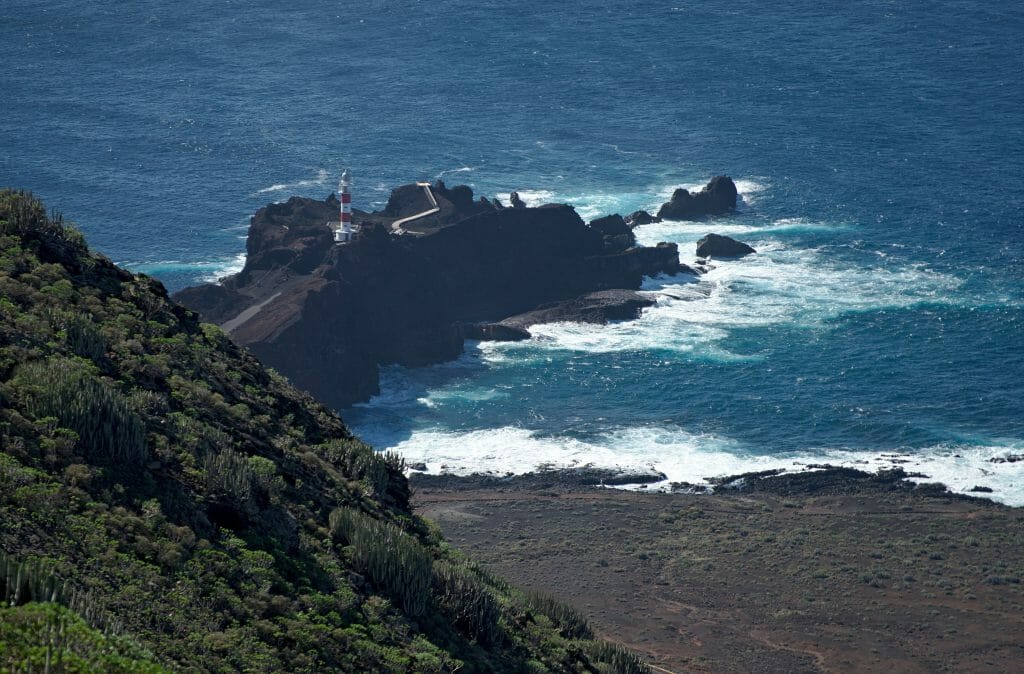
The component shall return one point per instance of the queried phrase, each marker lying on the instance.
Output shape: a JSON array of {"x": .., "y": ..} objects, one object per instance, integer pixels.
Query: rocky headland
[{"x": 411, "y": 292}]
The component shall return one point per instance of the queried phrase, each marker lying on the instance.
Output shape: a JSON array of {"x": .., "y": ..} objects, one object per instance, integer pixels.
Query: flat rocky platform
[{"x": 865, "y": 577}]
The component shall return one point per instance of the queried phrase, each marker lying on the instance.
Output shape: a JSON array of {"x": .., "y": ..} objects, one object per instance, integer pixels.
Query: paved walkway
[{"x": 396, "y": 226}]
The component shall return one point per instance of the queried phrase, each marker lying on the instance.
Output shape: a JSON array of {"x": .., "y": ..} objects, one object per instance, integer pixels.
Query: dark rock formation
[
  {"x": 618, "y": 236},
  {"x": 516, "y": 202},
  {"x": 717, "y": 197},
  {"x": 637, "y": 218},
  {"x": 597, "y": 307},
  {"x": 453, "y": 204},
  {"x": 1009, "y": 458},
  {"x": 832, "y": 480},
  {"x": 718, "y": 246},
  {"x": 544, "y": 478},
  {"x": 327, "y": 316},
  {"x": 494, "y": 332}
]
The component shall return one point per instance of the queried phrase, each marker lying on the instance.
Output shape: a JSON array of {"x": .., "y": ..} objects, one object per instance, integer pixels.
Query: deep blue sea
[{"x": 878, "y": 147}]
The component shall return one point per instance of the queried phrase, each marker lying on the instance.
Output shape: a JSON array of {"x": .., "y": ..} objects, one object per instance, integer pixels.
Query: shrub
[
  {"x": 359, "y": 461},
  {"x": 23, "y": 215},
  {"x": 22, "y": 582},
  {"x": 231, "y": 473},
  {"x": 467, "y": 602},
  {"x": 620, "y": 660},
  {"x": 569, "y": 621},
  {"x": 394, "y": 560},
  {"x": 82, "y": 334},
  {"x": 101, "y": 416}
]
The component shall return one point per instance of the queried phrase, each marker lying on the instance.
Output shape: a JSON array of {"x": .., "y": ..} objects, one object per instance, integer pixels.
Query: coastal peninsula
[{"x": 433, "y": 268}]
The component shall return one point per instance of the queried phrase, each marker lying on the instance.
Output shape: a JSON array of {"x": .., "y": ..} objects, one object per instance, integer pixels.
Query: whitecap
[
  {"x": 322, "y": 178},
  {"x": 693, "y": 316},
  {"x": 207, "y": 271},
  {"x": 225, "y": 268},
  {"x": 693, "y": 458},
  {"x": 462, "y": 169},
  {"x": 531, "y": 198}
]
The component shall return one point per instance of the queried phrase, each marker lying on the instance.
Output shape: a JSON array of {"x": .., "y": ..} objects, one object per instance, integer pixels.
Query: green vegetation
[
  {"x": 51, "y": 638},
  {"x": 167, "y": 504}
]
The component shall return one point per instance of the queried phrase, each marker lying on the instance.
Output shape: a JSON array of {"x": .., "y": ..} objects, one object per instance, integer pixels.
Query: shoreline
[{"x": 813, "y": 480}]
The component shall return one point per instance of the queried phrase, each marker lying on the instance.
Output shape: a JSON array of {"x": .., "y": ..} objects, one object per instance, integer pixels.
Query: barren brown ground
[{"x": 760, "y": 583}]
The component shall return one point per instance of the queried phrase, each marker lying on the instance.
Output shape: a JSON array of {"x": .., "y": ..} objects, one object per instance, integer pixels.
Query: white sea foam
[
  {"x": 209, "y": 271},
  {"x": 804, "y": 288},
  {"x": 687, "y": 457},
  {"x": 225, "y": 268},
  {"x": 322, "y": 178},
  {"x": 531, "y": 198}
]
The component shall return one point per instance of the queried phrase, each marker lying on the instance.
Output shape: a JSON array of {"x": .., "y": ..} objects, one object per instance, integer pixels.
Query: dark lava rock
[
  {"x": 597, "y": 307},
  {"x": 516, "y": 202},
  {"x": 585, "y": 476},
  {"x": 716, "y": 245},
  {"x": 617, "y": 234},
  {"x": 495, "y": 332},
  {"x": 977, "y": 488},
  {"x": 327, "y": 316},
  {"x": 453, "y": 204},
  {"x": 834, "y": 480},
  {"x": 717, "y": 197},
  {"x": 637, "y": 218},
  {"x": 1009, "y": 458},
  {"x": 419, "y": 465},
  {"x": 611, "y": 225},
  {"x": 689, "y": 488}
]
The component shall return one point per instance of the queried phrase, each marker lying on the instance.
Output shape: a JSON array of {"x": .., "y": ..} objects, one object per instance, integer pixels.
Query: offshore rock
[
  {"x": 328, "y": 316},
  {"x": 637, "y": 218},
  {"x": 717, "y": 197},
  {"x": 719, "y": 246}
]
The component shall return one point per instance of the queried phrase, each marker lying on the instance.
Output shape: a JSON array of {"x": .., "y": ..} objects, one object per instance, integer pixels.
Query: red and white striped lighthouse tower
[{"x": 343, "y": 228}]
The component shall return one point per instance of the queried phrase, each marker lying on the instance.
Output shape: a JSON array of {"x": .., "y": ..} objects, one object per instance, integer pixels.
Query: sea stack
[{"x": 717, "y": 197}]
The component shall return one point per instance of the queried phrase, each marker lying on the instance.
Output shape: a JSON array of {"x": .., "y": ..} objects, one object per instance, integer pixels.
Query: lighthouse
[{"x": 343, "y": 228}]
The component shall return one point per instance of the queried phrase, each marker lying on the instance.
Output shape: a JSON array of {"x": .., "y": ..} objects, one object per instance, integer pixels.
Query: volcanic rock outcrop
[
  {"x": 596, "y": 307},
  {"x": 617, "y": 234},
  {"x": 717, "y": 197},
  {"x": 637, "y": 218},
  {"x": 717, "y": 245},
  {"x": 327, "y": 316}
]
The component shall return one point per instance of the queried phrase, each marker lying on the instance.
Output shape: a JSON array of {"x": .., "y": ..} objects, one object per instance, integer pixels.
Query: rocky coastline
[
  {"x": 329, "y": 316},
  {"x": 816, "y": 480}
]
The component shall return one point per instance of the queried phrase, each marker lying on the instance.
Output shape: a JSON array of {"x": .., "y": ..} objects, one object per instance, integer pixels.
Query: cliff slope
[{"x": 166, "y": 503}]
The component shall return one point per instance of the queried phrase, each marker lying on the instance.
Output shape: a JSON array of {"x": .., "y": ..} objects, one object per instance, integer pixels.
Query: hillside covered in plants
[{"x": 167, "y": 504}]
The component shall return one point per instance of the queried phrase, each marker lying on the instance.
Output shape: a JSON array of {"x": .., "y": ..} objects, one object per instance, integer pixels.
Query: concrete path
[{"x": 396, "y": 226}]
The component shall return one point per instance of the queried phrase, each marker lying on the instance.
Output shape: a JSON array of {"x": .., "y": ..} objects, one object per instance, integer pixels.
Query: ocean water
[{"x": 878, "y": 147}]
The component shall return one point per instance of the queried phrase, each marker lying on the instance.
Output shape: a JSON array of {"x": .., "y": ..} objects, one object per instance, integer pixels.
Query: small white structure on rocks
[{"x": 343, "y": 228}]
